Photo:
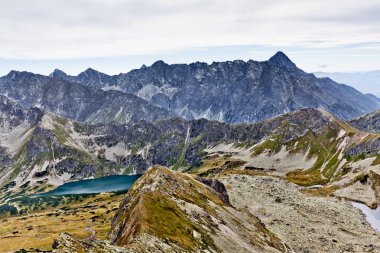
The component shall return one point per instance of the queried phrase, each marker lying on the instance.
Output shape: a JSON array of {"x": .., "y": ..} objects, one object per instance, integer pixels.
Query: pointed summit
[
  {"x": 91, "y": 73},
  {"x": 90, "y": 70},
  {"x": 281, "y": 60}
]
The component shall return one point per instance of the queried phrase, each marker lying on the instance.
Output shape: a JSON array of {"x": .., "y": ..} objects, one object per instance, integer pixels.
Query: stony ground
[{"x": 306, "y": 223}]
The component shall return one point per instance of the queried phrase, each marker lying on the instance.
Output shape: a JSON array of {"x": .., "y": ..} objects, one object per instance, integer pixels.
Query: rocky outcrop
[
  {"x": 66, "y": 243},
  {"x": 368, "y": 123},
  {"x": 181, "y": 214},
  {"x": 167, "y": 211},
  {"x": 218, "y": 186}
]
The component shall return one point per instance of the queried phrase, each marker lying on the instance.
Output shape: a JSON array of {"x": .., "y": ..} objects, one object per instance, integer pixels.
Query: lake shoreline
[{"x": 113, "y": 183}]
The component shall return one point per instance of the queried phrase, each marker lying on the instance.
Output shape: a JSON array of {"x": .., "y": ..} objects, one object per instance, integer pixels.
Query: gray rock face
[
  {"x": 12, "y": 114},
  {"x": 85, "y": 150},
  {"x": 218, "y": 186},
  {"x": 233, "y": 92},
  {"x": 90, "y": 77},
  {"x": 76, "y": 101},
  {"x": 177, "y": 143},
  {"x": 369, "y": 122}
]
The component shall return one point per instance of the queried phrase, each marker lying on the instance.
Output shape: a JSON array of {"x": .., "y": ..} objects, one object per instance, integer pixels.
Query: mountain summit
[
  {"x": 58, "y": 73},
  {"x": 281, "y": 60}
]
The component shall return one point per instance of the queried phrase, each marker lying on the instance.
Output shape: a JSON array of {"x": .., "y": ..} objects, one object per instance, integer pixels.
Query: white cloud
[
  {"x": 49, "y": 29},
  {"x": 339, "y": 34}
]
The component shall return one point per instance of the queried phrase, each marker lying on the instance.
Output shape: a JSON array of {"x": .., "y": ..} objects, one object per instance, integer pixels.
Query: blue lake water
[
  {"x": 97, "y": 185},
  {"x": 372, "y": 215}
]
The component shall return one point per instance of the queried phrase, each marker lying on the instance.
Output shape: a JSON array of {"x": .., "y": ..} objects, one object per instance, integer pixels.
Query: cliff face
[{"x": 368, "y": 123}]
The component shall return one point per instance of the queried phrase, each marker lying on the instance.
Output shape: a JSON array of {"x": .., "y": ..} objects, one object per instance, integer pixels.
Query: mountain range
[
  {"x": 308, "y": 147},
  {"x": 233, "y": 156},
  {"x": 225, "y": 186},
  {"x": 231, "y": 92}
]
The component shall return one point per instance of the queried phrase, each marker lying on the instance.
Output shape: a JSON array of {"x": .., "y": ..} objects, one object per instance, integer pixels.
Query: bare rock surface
[{"x": 306, "y": 223}]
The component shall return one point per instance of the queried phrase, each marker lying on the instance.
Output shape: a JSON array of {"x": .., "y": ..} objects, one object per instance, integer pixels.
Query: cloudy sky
[{"x": 117, "y": 35}]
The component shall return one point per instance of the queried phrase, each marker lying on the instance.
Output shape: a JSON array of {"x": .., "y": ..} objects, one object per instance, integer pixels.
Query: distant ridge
[{"x": 232, "y": 91}]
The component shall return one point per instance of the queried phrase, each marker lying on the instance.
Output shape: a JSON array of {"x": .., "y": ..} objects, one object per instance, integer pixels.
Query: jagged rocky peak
[
  {"x": 58, "y": 73},
  {"x": 159, "y": 63},
  {"x": 98, "y": 79},
  {"x": 304, "y": 120},
  {"x": 306, "y": 116},
  {"x": 280, "y": 59},
  {"x": 90, "y": 72},
  {"x": 91, "y": 104},
  {"x": 14, "y": 74},
  {"x": 159, "y": 66}
]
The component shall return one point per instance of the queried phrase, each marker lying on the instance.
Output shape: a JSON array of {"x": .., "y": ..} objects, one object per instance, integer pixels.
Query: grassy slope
[{"x": 39, "y": 228}]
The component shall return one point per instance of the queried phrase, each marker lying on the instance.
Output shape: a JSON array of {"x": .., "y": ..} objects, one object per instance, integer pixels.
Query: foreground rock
[
  {"x": 167, "y": 211},
  {"x": 68, "y": 244},
  {"x": 306, "y": 223},
  {"x": 242, "y": 211}
]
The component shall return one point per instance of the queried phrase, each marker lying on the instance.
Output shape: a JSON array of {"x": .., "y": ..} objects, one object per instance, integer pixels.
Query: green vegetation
[
  {"x": 6, "y": 209},
  {"x": 156, "y": 212},
  {"x": 42, "y": 227},
  {"x": 181, "y": 159},
  {"x": 376, "y": 161},
  {"x": 244, "y": 144},
  {"x": 273, "y": 145},
  {"x": 323, "y": 146},
  {"x": 20, "y": 204},
  {"x": 164, "y": 219},
  {"x": 60, "y": 133},
  {"x": 306, "y": 177}
]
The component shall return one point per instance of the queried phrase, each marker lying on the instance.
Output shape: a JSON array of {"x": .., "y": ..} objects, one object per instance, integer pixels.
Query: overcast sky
[{"x": 116, "y": 35}]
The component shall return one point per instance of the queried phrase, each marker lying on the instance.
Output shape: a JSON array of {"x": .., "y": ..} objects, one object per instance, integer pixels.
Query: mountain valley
[{"x": 234, "y": 156}]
